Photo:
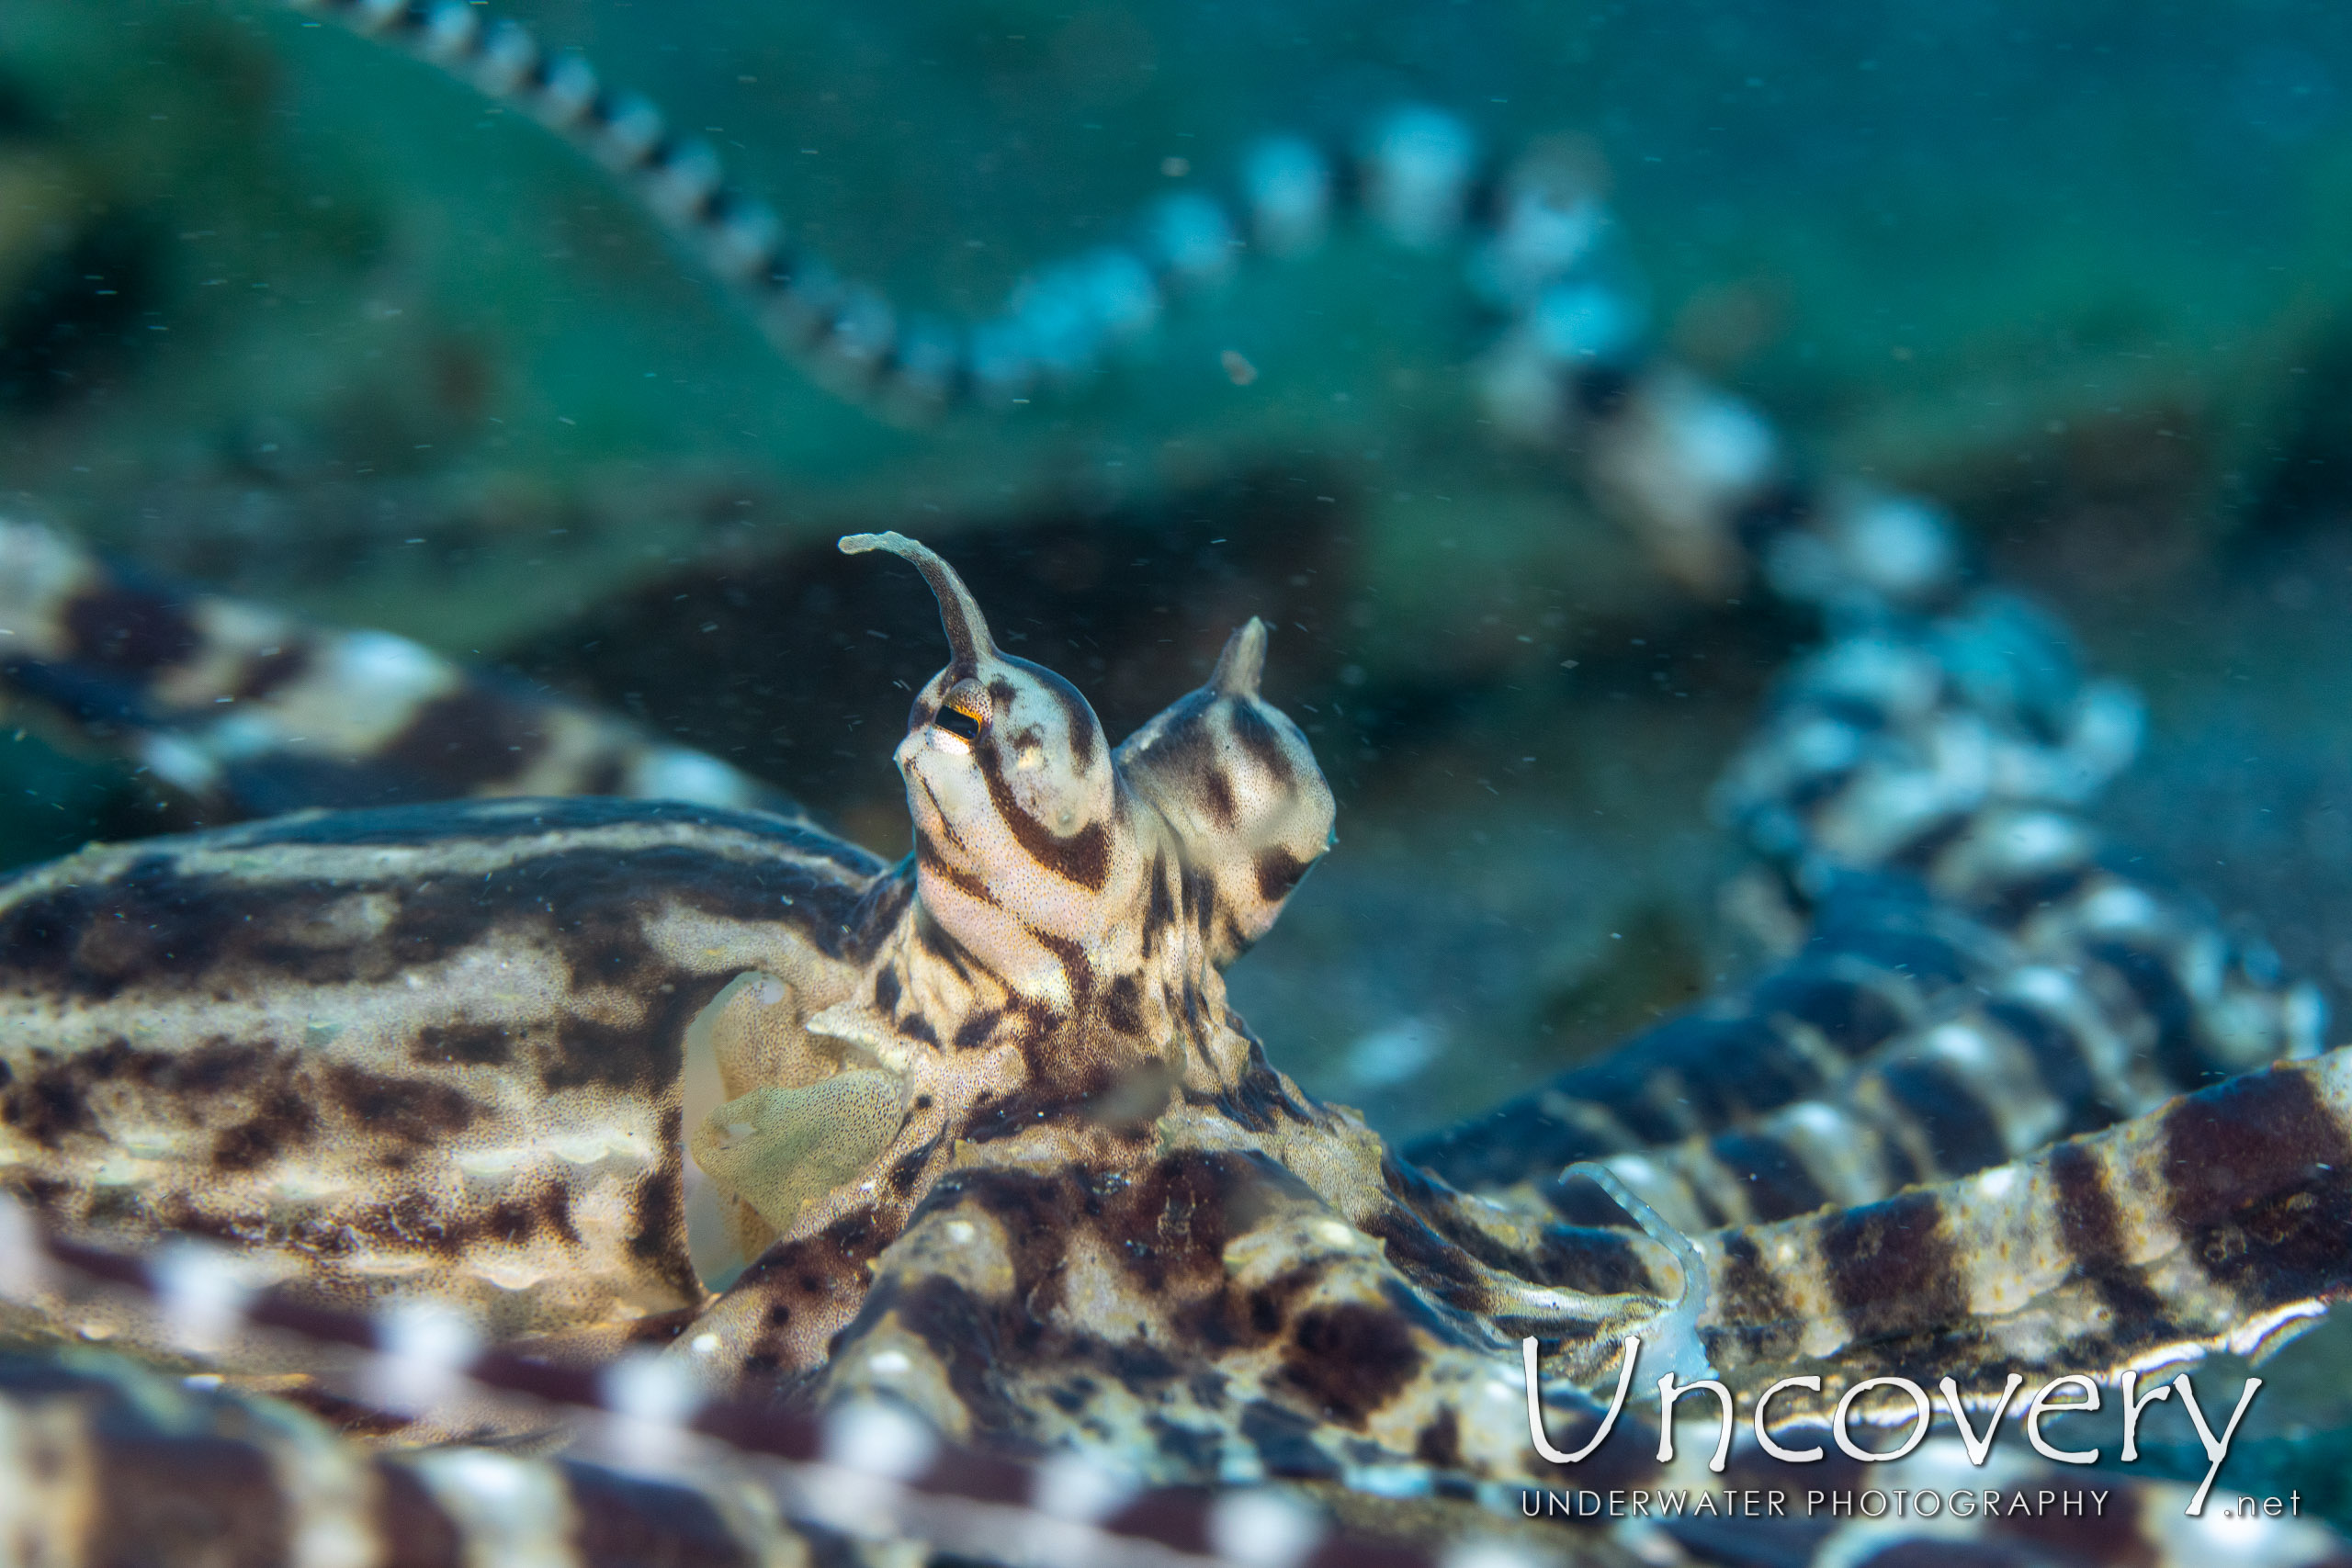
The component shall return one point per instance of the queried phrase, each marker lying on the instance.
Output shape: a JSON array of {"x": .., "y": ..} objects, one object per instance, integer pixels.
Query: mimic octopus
[
  {"x": 623, "y": 1062},
  {"x": 977, "y": 1134}
]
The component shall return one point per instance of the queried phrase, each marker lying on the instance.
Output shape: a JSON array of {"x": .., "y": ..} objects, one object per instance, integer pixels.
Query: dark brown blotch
[
  {"x": 2259, "y": 1181},
  {"x": 273, "y": 671},
  {"x": 283, "y": 1120},
  {"x": 1278, "y": 872},
  {"x": 554, "y": 1209},
  {"x": 908, "y": 1169},
  {"x": 128, "y": 631},
  {"x": 1265, "y": 747},
  {"x": 1078, "y": 970},
  {"x": 2091, "y": 1223},
  {"x": 1438, "y": 1444},
  {"x": 1217, "y": 797},
  {"x": 166, "y": 1490},
  {"x": 1351, "y": 1360},
  {"x": 1893, "y": 1267},
  {"x": 1123, "y": 1005},
  {"x": 1083, "y": 857},
  {"x": 628, "y": 1521},
  {"x": 466, "y": 1044},
  {"x": 49, "y": 1103},
  {"x": 1755, "y": 1312},
  {"x": 966, "y": 1333},
  {"x": 1962, "y": 1133},
  {"x": 660, "y": 1213},
  {"x": 476, "y": 736},
  {"x": 642, "y": 1058},
  {"x": 1771, "y": 1177},
  {"x": 812, "y": 1277},
  {"x": 414, "y": 1111},
  {"x": 975, "y": 1030},
  {"x": 1159, "y": 906},
  {"x": 48, "y": 1097},
  {"x": 409, "y": 1525}
]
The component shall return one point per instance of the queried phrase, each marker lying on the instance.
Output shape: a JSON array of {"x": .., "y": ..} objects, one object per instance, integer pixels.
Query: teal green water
[{"x": 293, "y": 315}]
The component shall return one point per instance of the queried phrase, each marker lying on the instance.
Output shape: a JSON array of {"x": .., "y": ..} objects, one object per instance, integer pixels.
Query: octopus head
[
  {"x": 1023, "y": 843},
  {"x": 1238, "y": 784}
]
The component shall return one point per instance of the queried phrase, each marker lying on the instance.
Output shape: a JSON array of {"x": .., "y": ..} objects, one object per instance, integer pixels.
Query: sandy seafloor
[{"x": 288, "y": 313}]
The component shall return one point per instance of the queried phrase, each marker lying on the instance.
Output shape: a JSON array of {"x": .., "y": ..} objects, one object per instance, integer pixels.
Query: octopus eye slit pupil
[{"x": 956, "y": 721}]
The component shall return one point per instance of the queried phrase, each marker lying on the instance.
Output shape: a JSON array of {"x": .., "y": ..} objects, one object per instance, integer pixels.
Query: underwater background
[{"x": 299, "y": 318}]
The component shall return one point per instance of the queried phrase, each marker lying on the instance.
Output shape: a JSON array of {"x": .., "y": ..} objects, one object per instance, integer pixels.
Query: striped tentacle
[
  {"x": 1877, "y": 1059},
  {"x": 2054, "y": 1050},
  {"x": 1945, "y": 757},
  {"x": 106, "y": 1462},
  {"x": 1573, "y": 368},
  {"x": 1903, "y": 734},
  {"x": 251, "y": 712},
  {"x": 2128, "y": 992},
  {"x": 2122, "y": 999},
  {"x": 113, "y": 1464},
  {"x": 1990, "y": 826},
  {"x": 1899, "y": 783},
  {"x": 1540, "y": 243},
  {"x": 2121, "y": 995},
  {"x": 2215, "y": 1221},
  {"x": 1880, "y": 961}
]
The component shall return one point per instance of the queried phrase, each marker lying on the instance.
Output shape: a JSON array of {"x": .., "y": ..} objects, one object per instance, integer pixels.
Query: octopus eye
[{"x": 956, "y": 722}]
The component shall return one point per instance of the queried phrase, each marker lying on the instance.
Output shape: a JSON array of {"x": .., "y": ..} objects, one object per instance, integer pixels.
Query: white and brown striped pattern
[
  {"x": 1102, "y": 1221},
  {"x": 1880, "y": 961},
  {"x": 1698, "y": 473},
  {"x": 1418, "y": 173},
  {"x": 1914, "y": 793},
  {"x": 2045, "y": 1056},
  {"x": 1075, "y": 1156},
  {"x": 249, "y": 712},
  {"x": 699, "y": 1481},
  {"x": 2216, "y": 1221},
  {"x": 1901, "y": 736},
  {"x": 425, "y": 1050}
]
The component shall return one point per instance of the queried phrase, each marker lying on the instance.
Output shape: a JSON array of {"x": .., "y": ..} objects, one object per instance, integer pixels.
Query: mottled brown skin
[
  {"x": 452, "y": 1053},
  {"x": 445, "y": 1052},
  {"x": 1054, "y": 1002},
  {"x": 1218, "y": 1217},
  {"x": 1207, "y": 1312},
  {"x": 434, "y": 1051}
]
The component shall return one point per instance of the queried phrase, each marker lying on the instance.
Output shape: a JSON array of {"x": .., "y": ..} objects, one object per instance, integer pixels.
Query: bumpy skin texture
[
  {"x": 459, "y": 1053},
  {"x": 1060, "y": 1197},
  {"x": 1053, "y": 1005}
]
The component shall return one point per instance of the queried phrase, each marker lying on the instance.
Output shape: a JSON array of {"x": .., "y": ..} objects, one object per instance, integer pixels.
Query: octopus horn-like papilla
[
  {"x": 1243, "y": 664},
  {"x": 959, "y": 613}
]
